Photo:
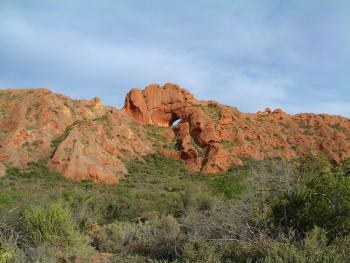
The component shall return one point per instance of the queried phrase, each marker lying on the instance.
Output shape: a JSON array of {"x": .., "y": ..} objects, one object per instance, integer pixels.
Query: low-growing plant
[
  {"x": 55, "y": 142},
  {"x": 212, "y": 112},
  {"x": 53, "y": 225},
  {"x": 9, "y": 250},
  {"x": 320, "y": 198},
  {"x": 314, "y": 248},
  {"x": 118, "y": 236},
  {"x": 198, "y": 252}
]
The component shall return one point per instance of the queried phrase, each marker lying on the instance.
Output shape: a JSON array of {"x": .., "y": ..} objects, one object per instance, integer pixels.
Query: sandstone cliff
[
  {"x": 84, "y": 140},
  {"x": 79, "y": 138},
  {"x": 211, "y": 137}
]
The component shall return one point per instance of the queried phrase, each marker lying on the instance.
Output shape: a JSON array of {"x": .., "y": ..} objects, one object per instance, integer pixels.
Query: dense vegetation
[{"x": 265, "y": 211}]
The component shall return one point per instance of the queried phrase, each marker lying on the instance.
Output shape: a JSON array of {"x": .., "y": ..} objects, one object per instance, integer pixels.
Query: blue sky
[{"x": 250, "y": 54}]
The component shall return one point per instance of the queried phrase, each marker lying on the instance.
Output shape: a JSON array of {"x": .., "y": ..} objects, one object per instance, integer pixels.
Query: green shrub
[
  {"x": 224, "y": 213},
  {"x": 53, "y": 225},
  {"x": 229, "y": 185},
  {"x": 116, "y": 237},
  {"x": 171, "y": 204},
  {"x": 7, "y": 199},
  {"x": 156, "y": 238},
  {"x": 212, "y": 112},
  {"x": 167, "y": 229},
  {"x": 33, "y": 169},
  {"x": 321, "y": 198},
  {"x": 138, "y": 259},
  {"x": 198, "y": 252},
  {"x": 312, "y": 249},
  {"x": 9, "y": 250},
  {"x": 163, "y": 238},
  {"x": 56, "y": 142},
  {"x": 204, "y": 201},
  {"x": 156, "y": 133},
  {"x": 11, "y": 254}
]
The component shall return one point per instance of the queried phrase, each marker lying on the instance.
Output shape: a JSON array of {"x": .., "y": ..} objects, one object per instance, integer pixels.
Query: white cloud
[{"x": 247, "y": 55}]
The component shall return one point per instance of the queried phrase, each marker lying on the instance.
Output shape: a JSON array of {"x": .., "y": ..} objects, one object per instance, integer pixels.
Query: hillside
[
  {"x": 179, "y": 180},
  {"x": 84, "y": 140},
  {"x": 79, "y": 138},
  {"x": 211, "y": 137}
]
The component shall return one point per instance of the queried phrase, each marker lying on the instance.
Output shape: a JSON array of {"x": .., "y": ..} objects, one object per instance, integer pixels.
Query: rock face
[
  {"x": 79, "y": 138},
  {"x": 157, "y": 105},
  {"x": 210, "y": 137},
  {"x": 84, "y": 140},
  {"x": 162, "y": 106}
]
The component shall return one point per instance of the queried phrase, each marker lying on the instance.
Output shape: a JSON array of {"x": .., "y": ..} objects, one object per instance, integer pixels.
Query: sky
[{"x": 293, "y": 55}]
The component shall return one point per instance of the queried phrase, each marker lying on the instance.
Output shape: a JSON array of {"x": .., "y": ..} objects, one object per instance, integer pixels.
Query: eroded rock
[
  {"x": 80, "y": 138},
  {"x": 84, "y": 140},
  {"x": 224, "y": 134}
]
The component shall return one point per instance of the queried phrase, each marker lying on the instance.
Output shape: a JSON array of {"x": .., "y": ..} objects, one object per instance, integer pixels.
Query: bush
[
  {"x": 9, "y": 250},
  {"x": 156, "y": 238},
  {"x": 198, "y": 252},
  {"x": 312, "y": 249},
  {"x": 204, "y": 201},
  {"x": 222, "y": 218},
  {"x": 172, "y": 204},
  {"x": 322, "y": 198},
  {"x": 116, "y": 237},
  {"x": 167, "y": 229},
  {"x": 53, "y": 225},
  {"x": 163, "y": 238},
  {"x": 230, "y": 185},
  {"x": 10, "y": 253}
]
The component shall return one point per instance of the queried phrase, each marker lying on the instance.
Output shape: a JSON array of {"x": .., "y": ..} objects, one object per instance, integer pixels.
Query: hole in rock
[{"x": 176, "y": 122}]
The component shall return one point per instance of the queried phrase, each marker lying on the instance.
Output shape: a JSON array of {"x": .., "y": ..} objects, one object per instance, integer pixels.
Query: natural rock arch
[{"x": 169, "y": 105}]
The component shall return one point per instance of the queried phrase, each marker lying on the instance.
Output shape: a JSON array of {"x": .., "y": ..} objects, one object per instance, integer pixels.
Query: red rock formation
[
  {"x": 162, "y": 106},
  {"x": 84, "y": 140},
  {"x": 81, "y": 139},
  {"x": 225, "y": 134}
]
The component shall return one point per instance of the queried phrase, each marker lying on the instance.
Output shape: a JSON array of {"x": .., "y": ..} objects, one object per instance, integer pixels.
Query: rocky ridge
[
  {"x": 211, "y": 137},
  {"x": 79, "y": 138},
  {"x": 84, "y": 140}
]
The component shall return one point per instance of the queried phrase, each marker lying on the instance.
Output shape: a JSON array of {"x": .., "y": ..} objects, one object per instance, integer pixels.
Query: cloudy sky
[{"x": 251, "y": 54}]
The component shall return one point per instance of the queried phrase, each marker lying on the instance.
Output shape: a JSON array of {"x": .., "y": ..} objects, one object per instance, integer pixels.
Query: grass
[
  {"x": 160, "y": 197},
  {"x": 36, "y": 105},
  {"x": 230, "y": 186},
  {"x": 197, "y": 147},
  {"x": 248, "y": 139},
  {"x": 55, "y": 142},
  {"x": 228, "y": 144},
  {"x": 105, "y": 121},
  {"x": 8, "y": 199},
  {"x": 159, "y": 184},
  {"x": 3, "y": 114},
  {"x": 173, "y": 145},
  {"x": 338, "y": 127},
  {"x": 3, "y": 132},
  {"x": 213, "y": 113},
  {"x": 51, "y": 224},
  {"x": 156, "y": 134},
  {"x": 29, "y": 111}
]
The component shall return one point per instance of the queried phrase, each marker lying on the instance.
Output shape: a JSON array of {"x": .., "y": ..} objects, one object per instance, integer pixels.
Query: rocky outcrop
[
  {"x": 211, "y": 137},
  {"x": 84, "y": 140},
  {"x": 162, "y": 106},
  {"x": 157, "y": 105},
  {"x": 79, "y": 138}
]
